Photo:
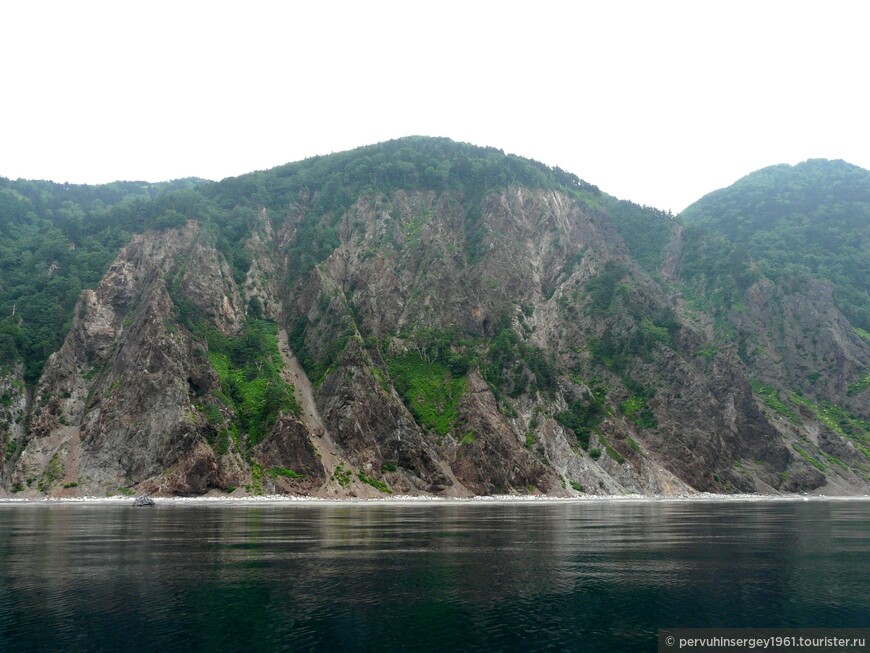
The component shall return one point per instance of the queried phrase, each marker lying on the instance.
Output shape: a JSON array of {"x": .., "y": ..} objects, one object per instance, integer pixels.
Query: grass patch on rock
[
  {"x": 375, "y": 483},
  {"x": 430, "y": 390},
  {"x": 249, "y": 367}
]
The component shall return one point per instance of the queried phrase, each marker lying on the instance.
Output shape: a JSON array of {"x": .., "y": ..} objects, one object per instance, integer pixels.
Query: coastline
[{"x": 278, "y": 500}]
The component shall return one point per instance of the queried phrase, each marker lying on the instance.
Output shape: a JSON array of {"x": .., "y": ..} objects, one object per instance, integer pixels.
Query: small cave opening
[{"x": 195, "y": 387}]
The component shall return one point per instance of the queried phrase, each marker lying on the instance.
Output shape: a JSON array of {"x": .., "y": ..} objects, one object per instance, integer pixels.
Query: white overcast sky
[{"x": 658, "y": 102}]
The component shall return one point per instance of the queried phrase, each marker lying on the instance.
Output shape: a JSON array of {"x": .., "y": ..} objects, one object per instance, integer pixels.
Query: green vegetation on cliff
[
  {"x": 585, "y": 414},
  {"x": 249, "y": 369},
  {"x": 516, "y": 367},
  {"x": 429, "y": 389}
]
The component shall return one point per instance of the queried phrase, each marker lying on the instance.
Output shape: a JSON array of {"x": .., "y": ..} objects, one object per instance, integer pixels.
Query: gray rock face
[
  {"x": 798, "y": 334},
  {"x": 115, "y": 401},
  {"x": 143, "y": 501}
]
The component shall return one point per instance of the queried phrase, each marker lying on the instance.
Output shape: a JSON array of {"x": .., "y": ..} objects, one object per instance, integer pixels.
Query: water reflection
[{"x": 423, "y": 577}]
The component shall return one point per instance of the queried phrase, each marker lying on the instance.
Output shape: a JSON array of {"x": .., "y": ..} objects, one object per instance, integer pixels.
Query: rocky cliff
[{"x": 439, "y": 342}]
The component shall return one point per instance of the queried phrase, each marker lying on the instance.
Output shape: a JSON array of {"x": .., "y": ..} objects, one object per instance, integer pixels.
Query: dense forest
[{"x": 809, "y": 219}]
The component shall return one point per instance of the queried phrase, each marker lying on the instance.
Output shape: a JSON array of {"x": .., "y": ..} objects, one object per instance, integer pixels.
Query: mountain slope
[
  {"x": 790, "y": 290},
  {"x": 419, "y": 316},
  {"x": 811, "y": 218}
]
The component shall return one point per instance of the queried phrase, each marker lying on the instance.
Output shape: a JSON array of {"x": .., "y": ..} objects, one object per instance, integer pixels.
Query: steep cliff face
[
  {"x": 113, "y": 407},
  {"x": 797, "y": 333},
  {"x": 809, "y": 364},
  {"x": 551, "y": 277},
  {"x": 416, "y": 266},
  {"x": 436, "y": 342}
]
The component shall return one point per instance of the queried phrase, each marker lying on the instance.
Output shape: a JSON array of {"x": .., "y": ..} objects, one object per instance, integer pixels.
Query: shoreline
[{"x": 423, "y": 500}]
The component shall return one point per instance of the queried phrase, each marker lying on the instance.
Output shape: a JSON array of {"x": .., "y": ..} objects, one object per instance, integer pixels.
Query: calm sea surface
[{"x": 590, "y": 576}]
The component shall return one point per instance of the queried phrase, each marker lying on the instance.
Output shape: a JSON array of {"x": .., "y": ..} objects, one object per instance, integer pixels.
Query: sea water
[{"x": 423, "y": 576}]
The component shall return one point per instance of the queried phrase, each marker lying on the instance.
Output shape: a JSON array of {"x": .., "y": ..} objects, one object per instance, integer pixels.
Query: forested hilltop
[
  {"x": 425, "y": 316},
  {"x": 809, "y": 219}
]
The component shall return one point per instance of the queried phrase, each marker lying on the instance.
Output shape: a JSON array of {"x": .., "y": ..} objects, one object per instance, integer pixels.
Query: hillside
[
  {"x": 419, "y": 316},
  {"x": 809, "y": 219}
]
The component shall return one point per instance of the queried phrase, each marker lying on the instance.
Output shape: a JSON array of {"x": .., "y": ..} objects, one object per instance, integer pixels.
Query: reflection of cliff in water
[{"x": 471, "y": 576}]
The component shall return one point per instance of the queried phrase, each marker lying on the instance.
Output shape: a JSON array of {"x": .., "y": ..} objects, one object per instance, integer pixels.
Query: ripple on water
[{"x": 474, "y": 576}]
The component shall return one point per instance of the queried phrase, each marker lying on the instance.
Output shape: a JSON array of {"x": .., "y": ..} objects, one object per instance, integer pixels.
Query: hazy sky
[{"x": 658, "y": 102}]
